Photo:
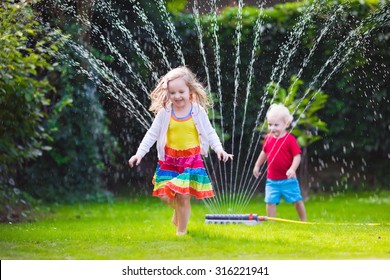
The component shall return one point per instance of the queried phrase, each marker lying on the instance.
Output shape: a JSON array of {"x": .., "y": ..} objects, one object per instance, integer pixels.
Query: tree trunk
[
  {"x": 84, "y": 10},
  {"x": 304, "y": 174}
]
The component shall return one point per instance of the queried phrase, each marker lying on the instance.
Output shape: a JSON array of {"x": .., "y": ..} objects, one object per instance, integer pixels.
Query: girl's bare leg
[
  {"x": 300, "y": 207},
  {"x": 183, "y": 211},
  {"x": 174, "y": 218},
  {"x": 167, "y": 201},
  {"x": 172, "y": 203}
]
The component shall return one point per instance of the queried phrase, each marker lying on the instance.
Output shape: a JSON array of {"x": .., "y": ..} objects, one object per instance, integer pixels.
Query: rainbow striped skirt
[{"x": 182, "y": 172}]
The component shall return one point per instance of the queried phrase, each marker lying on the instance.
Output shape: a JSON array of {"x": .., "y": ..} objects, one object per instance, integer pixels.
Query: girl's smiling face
[
  {"x": 179, "y": 93},
  {"x": 277, "y": 125}
]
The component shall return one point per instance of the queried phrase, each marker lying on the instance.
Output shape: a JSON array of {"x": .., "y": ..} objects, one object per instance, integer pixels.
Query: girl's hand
[
  {"x": 222, "y": 155},
  {"x": 134, "y": 159}
]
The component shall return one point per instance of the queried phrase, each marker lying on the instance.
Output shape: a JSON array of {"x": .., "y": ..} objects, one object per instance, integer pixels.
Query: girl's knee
[
  {"x": 183, "y": 198},
  {"x": 167, "y": 200}
]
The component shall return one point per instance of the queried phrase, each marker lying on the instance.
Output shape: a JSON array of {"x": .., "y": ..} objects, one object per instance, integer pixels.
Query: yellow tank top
[{"x": 182, "y": 134}]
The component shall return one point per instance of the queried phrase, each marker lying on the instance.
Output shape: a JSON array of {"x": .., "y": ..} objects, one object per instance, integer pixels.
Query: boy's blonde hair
[
  {"x": 281, "y": 111},
  {"x": 159, "y": 96}
]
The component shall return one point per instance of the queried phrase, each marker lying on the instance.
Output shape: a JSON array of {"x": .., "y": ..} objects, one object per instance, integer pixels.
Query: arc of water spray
[
  {"x": 106, "y": 74},
  {"x": 215, "y": 29},
  {"x": 238, "y": 32},
  {"x": 204, "y": 59},
  {"x": 202, "y": 52},
  {"x": 329, "y": 22},
  {"x": 236, "y": 86},
  {"x": 149, "y": 28},
  {"x": 323, "y": 32},
  {"x": 287, "y": 51},
  {"x": 223, "y": 177},
  {"x": 105, "y": 7},
  {"x": 358, "y": 40},
  {"x": 257, "y": 32},
  {"x": 84, "y": 53},
  {"x": 223, "y": 197},
  {"x": 171, "y": 30},
  {"x": 122, "y": 60},
  {"x": 217, "y": 62},
  {"x": 334, "y": 70},
  {"x": 297, "y": 31},
  {"x": 357, "y": 36},
  {"x": 284, "y": 60}
]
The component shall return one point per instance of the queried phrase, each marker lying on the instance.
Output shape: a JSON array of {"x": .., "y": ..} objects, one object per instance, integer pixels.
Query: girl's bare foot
[
  {"x": 174, "y": 218},
  {"x": 180, "y": 233}
]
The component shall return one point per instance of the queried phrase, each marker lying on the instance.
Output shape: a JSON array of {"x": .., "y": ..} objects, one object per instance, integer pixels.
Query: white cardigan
[{"x": 158, "y": 131}]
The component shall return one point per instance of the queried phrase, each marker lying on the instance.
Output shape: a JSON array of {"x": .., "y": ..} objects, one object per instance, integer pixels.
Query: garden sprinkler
[{"x": 248, "y": 219}]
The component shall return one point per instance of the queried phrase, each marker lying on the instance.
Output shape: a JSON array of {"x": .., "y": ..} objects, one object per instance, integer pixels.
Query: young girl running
[{"x": 183, "y": 133}]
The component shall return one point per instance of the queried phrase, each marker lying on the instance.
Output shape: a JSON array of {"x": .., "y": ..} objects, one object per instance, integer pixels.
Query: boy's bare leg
[
  {"x": 271, "y": 209},
  {"x": 300, "y": 207}
]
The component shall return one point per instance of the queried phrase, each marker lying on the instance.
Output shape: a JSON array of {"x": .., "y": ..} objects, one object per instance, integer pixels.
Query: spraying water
[{"x": 234, "y": 186}]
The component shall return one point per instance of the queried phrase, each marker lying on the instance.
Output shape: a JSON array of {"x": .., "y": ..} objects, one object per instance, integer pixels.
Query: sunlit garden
[{"x": 343, "y": 227}]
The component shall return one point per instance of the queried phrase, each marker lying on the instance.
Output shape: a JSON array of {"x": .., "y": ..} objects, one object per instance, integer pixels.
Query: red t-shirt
[{"x": 280, "y": 153}]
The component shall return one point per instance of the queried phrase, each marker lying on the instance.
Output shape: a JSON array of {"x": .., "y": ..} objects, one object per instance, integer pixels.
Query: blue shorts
[{"x": 288, "y": 188}]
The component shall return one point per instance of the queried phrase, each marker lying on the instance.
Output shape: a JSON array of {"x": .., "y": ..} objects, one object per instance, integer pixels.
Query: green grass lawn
[{"x": 140, "y": 228}]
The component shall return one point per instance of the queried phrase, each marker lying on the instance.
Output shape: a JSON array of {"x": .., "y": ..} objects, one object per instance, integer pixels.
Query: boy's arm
[
  {"x": 291, "y": 172},
  {"x": 260, "y": 160}
]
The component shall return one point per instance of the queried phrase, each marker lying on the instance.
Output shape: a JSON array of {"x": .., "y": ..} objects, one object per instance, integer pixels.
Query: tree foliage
[
  {"x": 27, "y": 49},
  {"x": 82, "y": 147},
  {"x": 55, "y": 144}
]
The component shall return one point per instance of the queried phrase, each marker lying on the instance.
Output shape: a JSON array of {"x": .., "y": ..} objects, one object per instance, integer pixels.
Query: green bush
[
  {"x": 54, "y": 139},
  {"x": 27, "y": 49},
  {"x": 74, "y": 169}
]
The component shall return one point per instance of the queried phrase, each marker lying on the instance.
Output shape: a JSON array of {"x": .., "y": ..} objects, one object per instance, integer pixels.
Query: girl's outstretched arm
[
  {"x": 222, "y": 155},
  {"x": 136, "y": 159}
]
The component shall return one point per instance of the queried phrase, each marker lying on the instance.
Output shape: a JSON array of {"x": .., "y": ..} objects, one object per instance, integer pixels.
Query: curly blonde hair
[
  {"x": 159, "y": 95},
  {"x": 281, "y": 111}
]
